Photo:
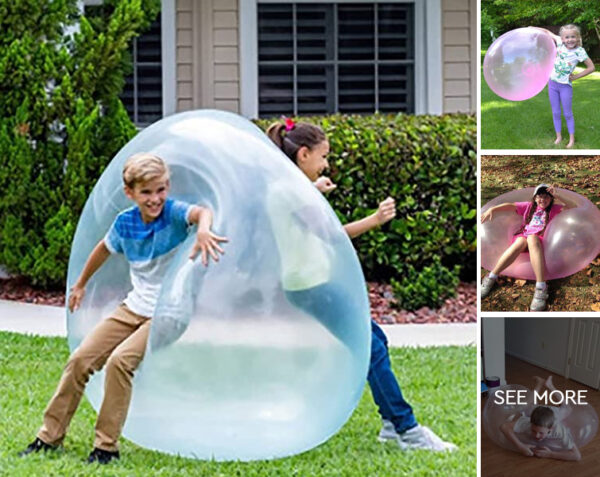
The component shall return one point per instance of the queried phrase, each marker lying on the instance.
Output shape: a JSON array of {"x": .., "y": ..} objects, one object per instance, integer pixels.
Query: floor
[{"x": 498, "y": 462}]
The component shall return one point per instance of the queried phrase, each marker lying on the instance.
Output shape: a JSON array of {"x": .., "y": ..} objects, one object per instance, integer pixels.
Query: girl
[
  {"x": 569, "y": 53},
  {"x": 307, "y": 146},
  {"x": 537, "y": 214}
]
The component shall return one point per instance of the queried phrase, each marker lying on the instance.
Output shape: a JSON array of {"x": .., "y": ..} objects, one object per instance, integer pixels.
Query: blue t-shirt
[{"x": 149, "y": 248}]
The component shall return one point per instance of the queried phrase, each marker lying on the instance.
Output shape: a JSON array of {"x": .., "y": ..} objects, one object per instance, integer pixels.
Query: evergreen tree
[{"x": 61, "y": 121}]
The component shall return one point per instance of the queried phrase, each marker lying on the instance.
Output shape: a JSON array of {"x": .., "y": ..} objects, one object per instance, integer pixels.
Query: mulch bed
[
  {"x": 18, "y": 289},
  {"x": 460, "y": 309}
]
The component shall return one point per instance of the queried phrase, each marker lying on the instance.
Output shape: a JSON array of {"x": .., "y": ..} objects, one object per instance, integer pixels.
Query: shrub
[
  {"x": 426, "y": 287},
  {"x": 61, "y": 121},
  {"x": 428, "y": 164}
]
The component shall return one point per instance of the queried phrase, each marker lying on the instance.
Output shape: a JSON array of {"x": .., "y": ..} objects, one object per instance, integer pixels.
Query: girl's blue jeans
[{"x": 385, "y": 388}]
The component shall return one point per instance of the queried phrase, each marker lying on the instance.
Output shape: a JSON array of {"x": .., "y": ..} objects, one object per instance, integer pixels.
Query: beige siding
[
  {"x": 208, "y": 54},
  {"x": 226, "y": 55},
  {"x": 459, "y": 41},
  {"x": 184, "y": 52}
]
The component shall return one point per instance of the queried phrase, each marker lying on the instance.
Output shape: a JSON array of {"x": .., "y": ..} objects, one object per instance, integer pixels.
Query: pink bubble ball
[
  {"x": 581, "y": 422},
  {"x": 571, "y": 240},
  {"x": 518, "y": 64}
]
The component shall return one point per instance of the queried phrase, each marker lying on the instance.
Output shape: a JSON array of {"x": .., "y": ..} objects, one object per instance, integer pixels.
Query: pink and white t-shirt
[{"x": 538, "y": 220}]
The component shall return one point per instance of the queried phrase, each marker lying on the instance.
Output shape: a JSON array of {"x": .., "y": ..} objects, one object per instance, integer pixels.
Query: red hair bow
[{"x": 289, "y": 124}]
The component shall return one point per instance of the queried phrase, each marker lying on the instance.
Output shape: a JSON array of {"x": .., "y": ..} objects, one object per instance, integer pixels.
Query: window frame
[
  {"x": 428, "y": 53},
  {"x": 168, "y": 52}
]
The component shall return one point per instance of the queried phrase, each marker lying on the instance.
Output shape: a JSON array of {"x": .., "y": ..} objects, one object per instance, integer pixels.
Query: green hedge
[{"x": 428, "y": 164}]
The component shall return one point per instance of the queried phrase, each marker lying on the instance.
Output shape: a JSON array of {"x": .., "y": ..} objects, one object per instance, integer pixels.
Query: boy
[
  {"x": 544, "y": 423},
  {"x": 147, "y": 234}
]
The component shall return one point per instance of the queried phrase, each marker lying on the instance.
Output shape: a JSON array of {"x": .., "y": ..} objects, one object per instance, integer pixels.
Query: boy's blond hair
[
  {"x": 571, "y": 26},
  {"x": 143, "y": 167}
]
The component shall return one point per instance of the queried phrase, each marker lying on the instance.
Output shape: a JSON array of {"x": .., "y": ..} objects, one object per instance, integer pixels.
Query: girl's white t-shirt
[
  {"x": 306, "y": 258},
  {"x": 566, "y": 61}
]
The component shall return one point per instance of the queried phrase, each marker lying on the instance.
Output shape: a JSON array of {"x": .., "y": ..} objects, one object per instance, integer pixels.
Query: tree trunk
[{"x": 597, "y": 28}]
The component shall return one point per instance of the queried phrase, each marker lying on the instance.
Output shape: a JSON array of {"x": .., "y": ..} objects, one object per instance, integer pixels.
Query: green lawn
[
  {"x": 439, "y": 382},
  {"x": 528, "y": 124}
]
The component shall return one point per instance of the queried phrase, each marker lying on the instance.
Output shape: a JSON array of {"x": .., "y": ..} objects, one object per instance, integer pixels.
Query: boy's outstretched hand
[
  {"x": 207, "y": 244},
  {"x": 75, "y": 296},
  {"x": 527, "y": 450},
  {"x": 542, "y": 452},
  {"x": 386, "y": 211}
]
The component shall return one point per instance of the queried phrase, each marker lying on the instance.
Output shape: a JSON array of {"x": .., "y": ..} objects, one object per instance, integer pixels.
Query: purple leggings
[{"x": 561, "y": 93}]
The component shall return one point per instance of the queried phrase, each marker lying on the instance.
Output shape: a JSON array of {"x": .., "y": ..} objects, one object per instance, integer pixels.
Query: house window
[
  {"x": 142, "y": 94},
  {"x": 316, "y": 58}
]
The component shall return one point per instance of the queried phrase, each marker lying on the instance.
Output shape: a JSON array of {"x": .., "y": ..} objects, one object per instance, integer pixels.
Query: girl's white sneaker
[
  {"x": 486, "y": 286},
  {"x": 539, "y": 300},
  {"x": 422, "y": 437},
  {"x": 387, "y": 432}
]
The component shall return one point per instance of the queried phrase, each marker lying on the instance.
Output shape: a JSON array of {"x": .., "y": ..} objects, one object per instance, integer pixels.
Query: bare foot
[
  {"x": 571, "y": 144},
  {"x": 549, "y": 384},
  {"x": 538, "y": 383},
  {"x": 558, "y": 139}
]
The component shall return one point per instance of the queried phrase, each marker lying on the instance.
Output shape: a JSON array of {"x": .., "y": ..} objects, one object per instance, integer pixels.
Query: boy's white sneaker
[
  {"x": 387, "y": 432},
  {"x": 422, "y": 437}
]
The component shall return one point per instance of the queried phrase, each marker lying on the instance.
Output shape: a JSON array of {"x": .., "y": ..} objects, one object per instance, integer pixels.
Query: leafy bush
[
  {"x": 429, "y": 286},
  {"x": 61, "y": 121},
  {"x": 428, "y": 164}
]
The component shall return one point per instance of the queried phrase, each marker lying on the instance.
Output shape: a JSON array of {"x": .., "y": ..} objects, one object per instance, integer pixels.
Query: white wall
[
  {"x": 492, "y": 343},
  {"x": 542, "y": 342}
]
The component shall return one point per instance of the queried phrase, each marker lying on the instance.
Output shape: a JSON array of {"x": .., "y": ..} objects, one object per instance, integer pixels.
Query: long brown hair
[
  {"x": 532, "y": 209},
  {"x": 300, "y": 134}
]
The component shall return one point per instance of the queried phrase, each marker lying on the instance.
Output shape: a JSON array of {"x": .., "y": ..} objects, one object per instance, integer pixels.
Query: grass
[
  {"x": 581, "y": 174},
  {"x": 439, "y": 382},
  {"x": 528, "y": 124}
]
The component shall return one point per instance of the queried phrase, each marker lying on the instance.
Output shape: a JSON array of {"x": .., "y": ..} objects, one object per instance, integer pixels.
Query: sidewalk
[{"x": 51, "y": 321}]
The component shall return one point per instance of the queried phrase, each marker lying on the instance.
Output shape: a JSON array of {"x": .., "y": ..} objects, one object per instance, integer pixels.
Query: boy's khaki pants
[{"x": 120, "y": 342}]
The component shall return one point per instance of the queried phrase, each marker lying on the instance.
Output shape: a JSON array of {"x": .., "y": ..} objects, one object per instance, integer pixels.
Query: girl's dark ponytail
[
  {"x": 300, "y": 134},
  {"x": 274, "y": 132}
]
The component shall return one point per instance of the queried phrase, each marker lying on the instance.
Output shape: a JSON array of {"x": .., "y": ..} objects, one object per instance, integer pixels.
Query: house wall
[
  {"x": 225, "y": 40},
  {"x": 492, "y": 348},
  {"x": 208, "y": 44},
  {"x": 184, "y": 53},
  {"x": 207, "y": 54},
  {"x": 543, "y": 343},
  {"x": 459, "y": 28}
]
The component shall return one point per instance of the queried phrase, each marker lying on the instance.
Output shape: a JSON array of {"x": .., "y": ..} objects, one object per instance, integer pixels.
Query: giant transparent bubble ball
[
  {"x": 570, "y": 240},
  {"x": 234, "y": 368},
  {"x": 518, "y": 64},
  {"x": 581, "y": 420}
]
